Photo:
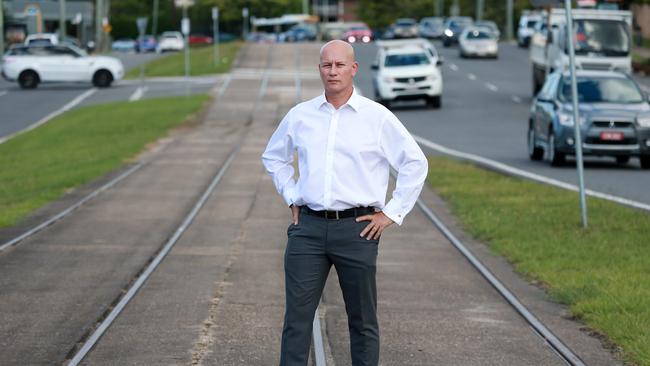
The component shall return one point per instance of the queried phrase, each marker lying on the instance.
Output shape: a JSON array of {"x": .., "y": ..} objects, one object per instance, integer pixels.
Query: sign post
[
  {"x": 185, "y": 29},
  {"x": 244, "y": 14},
  {"x": 141, "y": 22},
  {"x": 215, "y": 35},
  {"x": 574, "y": 99}
]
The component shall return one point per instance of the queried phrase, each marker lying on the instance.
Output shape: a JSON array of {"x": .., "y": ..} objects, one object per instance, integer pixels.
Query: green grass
[
  {"x": 39, "y": 166},
  {"x": 602, "y": 272},
  {"x": 201, "y": 62}
]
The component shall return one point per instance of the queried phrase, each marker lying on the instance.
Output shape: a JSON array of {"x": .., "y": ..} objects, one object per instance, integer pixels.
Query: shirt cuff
[
  {"x": 393, "y": 211},
  {"x": 289, "y": 195}
]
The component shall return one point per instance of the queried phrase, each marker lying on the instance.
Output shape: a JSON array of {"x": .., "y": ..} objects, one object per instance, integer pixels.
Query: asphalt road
[
  {"x": 21, "y": 108},
  {"x": 485, "y": 108}
]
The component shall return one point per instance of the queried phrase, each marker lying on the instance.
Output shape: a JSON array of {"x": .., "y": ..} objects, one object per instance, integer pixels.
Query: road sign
[
  {"x": 244, "y": 12},
  {"x": 183, "y": 3},
  {"x": 215, "y": 13},
  {"x": 185, "y": 26},
  {"x": 142, "y": 24}
]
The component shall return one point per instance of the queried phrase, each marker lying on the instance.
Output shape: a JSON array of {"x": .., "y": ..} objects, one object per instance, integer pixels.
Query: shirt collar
[{"x": 354, "y": 101}]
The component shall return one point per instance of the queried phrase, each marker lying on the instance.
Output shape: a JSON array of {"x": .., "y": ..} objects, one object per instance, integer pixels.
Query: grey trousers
[{"x": 314, "y": 245}]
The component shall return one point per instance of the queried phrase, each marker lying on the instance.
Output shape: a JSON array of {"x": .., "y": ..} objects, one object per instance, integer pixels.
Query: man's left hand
[{"x": 378, "y": 222}]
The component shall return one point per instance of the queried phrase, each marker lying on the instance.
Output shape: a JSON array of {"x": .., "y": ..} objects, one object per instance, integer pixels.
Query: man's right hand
[{"x": 295, "y": 212}]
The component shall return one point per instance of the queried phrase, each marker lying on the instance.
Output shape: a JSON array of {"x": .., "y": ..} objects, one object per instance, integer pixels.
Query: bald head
[{"x": 340, "y": 48}]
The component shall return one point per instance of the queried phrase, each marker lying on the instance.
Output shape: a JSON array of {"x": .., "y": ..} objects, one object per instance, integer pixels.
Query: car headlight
[
  {"x": 449, "y": 33},
  {"x": 387, "y": 79},
  {"x": 567, "y": 119},
  {"x": 365, "y": 39},
  {"x": 351, "y": 39},
  {"x": 431, "y": 77},
  {"x": 643, "y": 121}
]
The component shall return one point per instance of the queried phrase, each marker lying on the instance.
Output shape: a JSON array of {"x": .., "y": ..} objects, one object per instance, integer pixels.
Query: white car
[
  {"x": 526, "y": 27},
  {"x": 170, "y": 41},
  {"x": 407, "y": 70},
  {"x": 41, "y": 38},
  {"x": 478, "y": 42},
  {"x": 58, "y": 63}
]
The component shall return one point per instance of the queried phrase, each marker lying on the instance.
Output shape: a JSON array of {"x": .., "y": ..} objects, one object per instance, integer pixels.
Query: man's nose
[{"x": 333, "y": 70}]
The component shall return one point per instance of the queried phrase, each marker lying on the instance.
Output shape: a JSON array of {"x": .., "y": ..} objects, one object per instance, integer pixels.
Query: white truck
[{"x": 601, "y": 37}]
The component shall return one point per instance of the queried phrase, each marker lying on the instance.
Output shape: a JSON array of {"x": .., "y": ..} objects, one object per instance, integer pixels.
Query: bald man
[{"x": 346, "y": 146}]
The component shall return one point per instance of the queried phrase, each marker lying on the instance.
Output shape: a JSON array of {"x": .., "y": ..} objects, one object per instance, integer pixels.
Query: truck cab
[{"x": 602, "y": 41}]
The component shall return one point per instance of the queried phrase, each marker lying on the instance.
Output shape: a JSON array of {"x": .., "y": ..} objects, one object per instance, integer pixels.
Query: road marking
[
  {"x": 453, "y": 67},
  {"x": 516, "y": 99},
  {"x": 138, "y": 93},
  {"x": 471, "y": 76},
  {"x": 491, "y": 86},
  {"x": 2, "y": 93},
  {"x": 525, "y": 174},
  {"x": 73, "y": 103}
]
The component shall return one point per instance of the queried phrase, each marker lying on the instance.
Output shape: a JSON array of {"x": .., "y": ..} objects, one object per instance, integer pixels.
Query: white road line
[
  {"x": 73, "y": 103},
  {"x": 492, "y": 87},
  {"x": 453, "y": 67},
  {"x": 2, "y": 93},
  {"x": 138, "y": 93},
  {"x": 471, "y": 76},
  {"x": 525, "y": 174},
  {"x": 516, "y": 99}
]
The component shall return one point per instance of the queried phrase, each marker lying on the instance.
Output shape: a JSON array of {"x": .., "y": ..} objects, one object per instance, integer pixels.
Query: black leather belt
[{"x": 335, "y": 215}]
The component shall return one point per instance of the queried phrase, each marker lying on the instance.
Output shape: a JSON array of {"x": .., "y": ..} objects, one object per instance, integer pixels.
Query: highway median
[
  {"x": 600, "y": 272},
  {"x": 41, "y": 165}
]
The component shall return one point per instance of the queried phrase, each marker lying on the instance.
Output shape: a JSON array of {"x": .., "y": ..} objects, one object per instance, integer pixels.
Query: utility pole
[
  {"x": 509, "y": 10},
  {"x": 437, "y": 8},
  {"x": 154, "y": 18},
  {"x": 62, "y": 31},
  {"x": 215, "y": 35},
  {"x": 479, "y": 9},
  {"x": 305, "y": 7},
  {"x": 99, "y": 9},
  {"x": 2, "y": 28}
]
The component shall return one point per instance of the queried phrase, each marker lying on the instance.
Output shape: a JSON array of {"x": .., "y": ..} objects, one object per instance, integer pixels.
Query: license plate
[{"x": 611, "y": 136}]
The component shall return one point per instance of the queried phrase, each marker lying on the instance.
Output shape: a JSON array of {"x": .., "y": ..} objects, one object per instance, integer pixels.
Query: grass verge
[
  {"x": 602, "y": 272},
  {"x": 201, "y": 62},
  {"x": 39, "y": 166}
]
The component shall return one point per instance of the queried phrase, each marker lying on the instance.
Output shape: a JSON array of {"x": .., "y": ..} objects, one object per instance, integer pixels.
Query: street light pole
[
  {"x": 479, "y": 9},
  {"x": 576, "y": 114},
  {"x": 215, "y": 35},
  {"x": 154, "y": 23},
  {"x": 186, "y": 33},
  {"x": 62, "y": 31},
  {"x": 509, "y": 16},
  {"x": 99, "y": 6}
]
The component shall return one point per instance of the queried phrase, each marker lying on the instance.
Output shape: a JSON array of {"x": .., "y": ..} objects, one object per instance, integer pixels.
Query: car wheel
[
  {"x": 622, "y": 159},
  {"x": 555, "y": 157},
  {"x": 28, "y": 79},
  {"x": 534, "y": 152},
  {"x": 102, "y": 79},
  {"x": 645, "y": 161},
  {"x": 446, "y": 44},
  {"x": 435, "y": 101}
]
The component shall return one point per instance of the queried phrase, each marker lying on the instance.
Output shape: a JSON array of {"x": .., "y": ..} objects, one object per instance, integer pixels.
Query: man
[{"x": 346, "y": 145}]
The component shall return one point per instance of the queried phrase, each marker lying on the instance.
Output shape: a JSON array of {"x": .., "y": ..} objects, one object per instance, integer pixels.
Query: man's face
[{"x": 337, "y": 68}]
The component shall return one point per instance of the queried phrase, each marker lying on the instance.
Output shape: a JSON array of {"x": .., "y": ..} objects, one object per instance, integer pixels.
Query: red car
[
  {"x": 199, "y": 39},
  {"x": 358, "y": 33}
]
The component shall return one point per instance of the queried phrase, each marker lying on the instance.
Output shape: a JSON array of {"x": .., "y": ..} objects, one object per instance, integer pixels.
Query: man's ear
[{"x": 355, "y": 67}]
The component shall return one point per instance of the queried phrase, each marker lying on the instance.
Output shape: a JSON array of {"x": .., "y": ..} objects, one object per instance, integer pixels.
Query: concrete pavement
[{"x": 218, "y": 299}]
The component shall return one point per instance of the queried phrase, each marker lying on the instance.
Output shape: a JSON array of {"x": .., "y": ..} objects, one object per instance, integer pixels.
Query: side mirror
[
  {"x": 440, "y": 61},
  {"x": 374, "y": 67}
]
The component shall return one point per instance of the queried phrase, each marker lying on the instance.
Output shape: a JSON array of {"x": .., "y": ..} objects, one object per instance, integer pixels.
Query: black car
[
  {"x": 614, "y": 118},
  {"x": 454, "y": 26}
]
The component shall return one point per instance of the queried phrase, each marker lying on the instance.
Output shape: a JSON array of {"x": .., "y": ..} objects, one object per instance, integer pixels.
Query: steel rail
[{"x": 106, "y": 322}]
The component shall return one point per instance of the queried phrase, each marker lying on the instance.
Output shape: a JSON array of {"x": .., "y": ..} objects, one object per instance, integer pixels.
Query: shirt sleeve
[
  {"x": 405, "y": 156},
  {"x": 278, "y": 159}
]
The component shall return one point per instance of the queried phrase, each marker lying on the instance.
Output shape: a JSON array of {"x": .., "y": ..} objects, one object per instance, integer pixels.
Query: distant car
[
  {"x": 454, "y": 26},
  {"x": 299, "y": 33},
  {"x": 614, "y": 118},
  {"x": 489, "y": 25},
  {"x": 526, "y": 27},
  {"x": 123, "y": 45},
  {"x": 42, "y": 39},
  {"x": 407, "y": 69},
  {"x": 431, "y": 27},
  {"x": 333, "y": 30},
  {"x": 358, "y": 33},
  {"x": 31, "y": 65},
  {"x": 405, "y": 28},
  {"x": 199, "y": 39},
  {"x": 145, "y": 44},
  {"x": 478, "y": 42},
  {"x": 170, "y": 41}
]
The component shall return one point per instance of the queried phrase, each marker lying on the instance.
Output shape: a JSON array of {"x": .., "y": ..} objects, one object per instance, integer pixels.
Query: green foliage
[
  {"x": 600, "y": 272},
  {"x": 39, "y": 166}
]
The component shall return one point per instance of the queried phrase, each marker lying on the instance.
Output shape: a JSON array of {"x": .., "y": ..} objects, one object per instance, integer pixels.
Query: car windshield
[
  {"x": 405, "y": 23},
  {"x": 358, "y": 28},
  {"x": 476, "y": 34},
  {"x": 410, "y": 59},
  {"x": 602, "y": 90},
  {"x": 531, "y": 24},
  {"x": 608, "y": 37}
]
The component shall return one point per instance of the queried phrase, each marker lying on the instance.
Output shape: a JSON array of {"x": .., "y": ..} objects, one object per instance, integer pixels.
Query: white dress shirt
[{"x": 344, "y": 157}]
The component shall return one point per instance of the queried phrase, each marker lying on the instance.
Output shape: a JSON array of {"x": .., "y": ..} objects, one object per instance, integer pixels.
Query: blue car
[
  {"x": 614, "y": 118},
  {"x": 454, "y": 26},
  {"x": 146, "y": 44}
]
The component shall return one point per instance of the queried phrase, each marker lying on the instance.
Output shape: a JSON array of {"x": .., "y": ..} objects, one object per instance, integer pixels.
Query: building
[{"x": 335, "y": 10}]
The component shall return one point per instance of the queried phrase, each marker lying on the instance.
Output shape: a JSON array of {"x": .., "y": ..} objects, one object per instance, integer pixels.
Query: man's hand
[
  {"x": 295, "y": 212},
  {"x": 378, "y": 222}
]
